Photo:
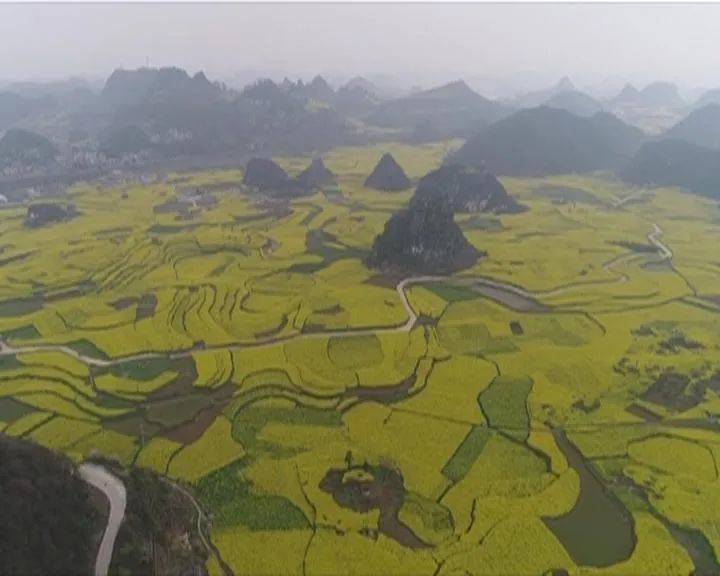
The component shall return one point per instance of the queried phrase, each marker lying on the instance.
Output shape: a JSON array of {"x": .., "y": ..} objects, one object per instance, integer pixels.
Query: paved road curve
[{"x": 114, "y": 490}]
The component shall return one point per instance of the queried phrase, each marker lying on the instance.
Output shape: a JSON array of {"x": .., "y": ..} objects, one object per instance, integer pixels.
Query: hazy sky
[{"x": 419, "y": 42}]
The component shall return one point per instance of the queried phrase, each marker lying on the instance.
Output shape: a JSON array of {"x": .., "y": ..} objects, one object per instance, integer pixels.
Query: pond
[
  {"x": 599, "y": 530},
  {"x": 364, "y": 488}
]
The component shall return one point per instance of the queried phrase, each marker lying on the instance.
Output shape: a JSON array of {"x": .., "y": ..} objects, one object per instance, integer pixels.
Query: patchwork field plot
[{"x": 365, "y": 424}]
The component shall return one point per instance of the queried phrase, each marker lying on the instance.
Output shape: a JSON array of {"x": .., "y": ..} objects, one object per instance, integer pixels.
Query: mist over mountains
[{"x": 154, "y": 117}]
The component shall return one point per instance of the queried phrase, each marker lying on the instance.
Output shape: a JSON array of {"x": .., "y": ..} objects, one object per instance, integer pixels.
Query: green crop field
[{"x": 249, "y": 354}]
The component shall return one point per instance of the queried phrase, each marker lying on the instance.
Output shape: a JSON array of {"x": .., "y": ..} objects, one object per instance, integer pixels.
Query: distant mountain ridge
[
  {"x": 265, "y": 175},
  {"x": 701, "y": 127},
  {"x": 453, "y": 109},
  {"x": 576, "y": 102},
  {"x": 537, "y": 98},
  {"x": 654, "y": 108},
  {"x": 151, "y": 115},
  {"x": 542, "y": 141},
  {"x": 190, "y": 115},
  {"x": 676, "y": 163},
  {"x": 25, "y": 147}
]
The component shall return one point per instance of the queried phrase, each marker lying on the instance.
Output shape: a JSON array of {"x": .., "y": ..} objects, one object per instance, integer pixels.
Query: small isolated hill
[
  {"x": 676, "y": 163},
  {"x": 388, "y": 175},
  {"x": 44, "y": 213},
  {"x": 575, "y": 102},
  {"x": 315, "y": 176},
  {"x": 50, "y": 521},
  {"x": 542, "y": 141},
  {"x": 446, "y": 111},
  {"x": 265, "y": 175},
  {"x": 422, "y": 240},
  {"x": 26, "y": 148},
  {"x": 118, "y": 141},
  {"x": 463, "y": 189},
  {"x": 701, "y": 127}
]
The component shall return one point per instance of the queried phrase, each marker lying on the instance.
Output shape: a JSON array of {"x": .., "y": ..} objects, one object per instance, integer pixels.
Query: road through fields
[{"x": 653, "y": 238}]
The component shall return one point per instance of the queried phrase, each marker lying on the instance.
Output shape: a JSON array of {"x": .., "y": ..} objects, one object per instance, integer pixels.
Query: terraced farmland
[{"x": 361, "y": 424}]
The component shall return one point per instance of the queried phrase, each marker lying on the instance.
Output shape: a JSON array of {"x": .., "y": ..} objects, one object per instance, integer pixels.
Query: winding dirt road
[
  {"x": 7, "y": 350},
  {"x": 114, "y": 491},
  {"x": 653, "y": 238},
  {"x": 209, "y": 546},
  {"x": 619, "y": 202}
]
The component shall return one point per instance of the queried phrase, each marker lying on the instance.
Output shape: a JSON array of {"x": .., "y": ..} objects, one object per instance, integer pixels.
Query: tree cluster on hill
[
  {"x": 44, "y": 213},
  {"x": 159, "y": 533},
  {"x": 49, "y": 523},
  {"x": 118, "y": 141}
]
